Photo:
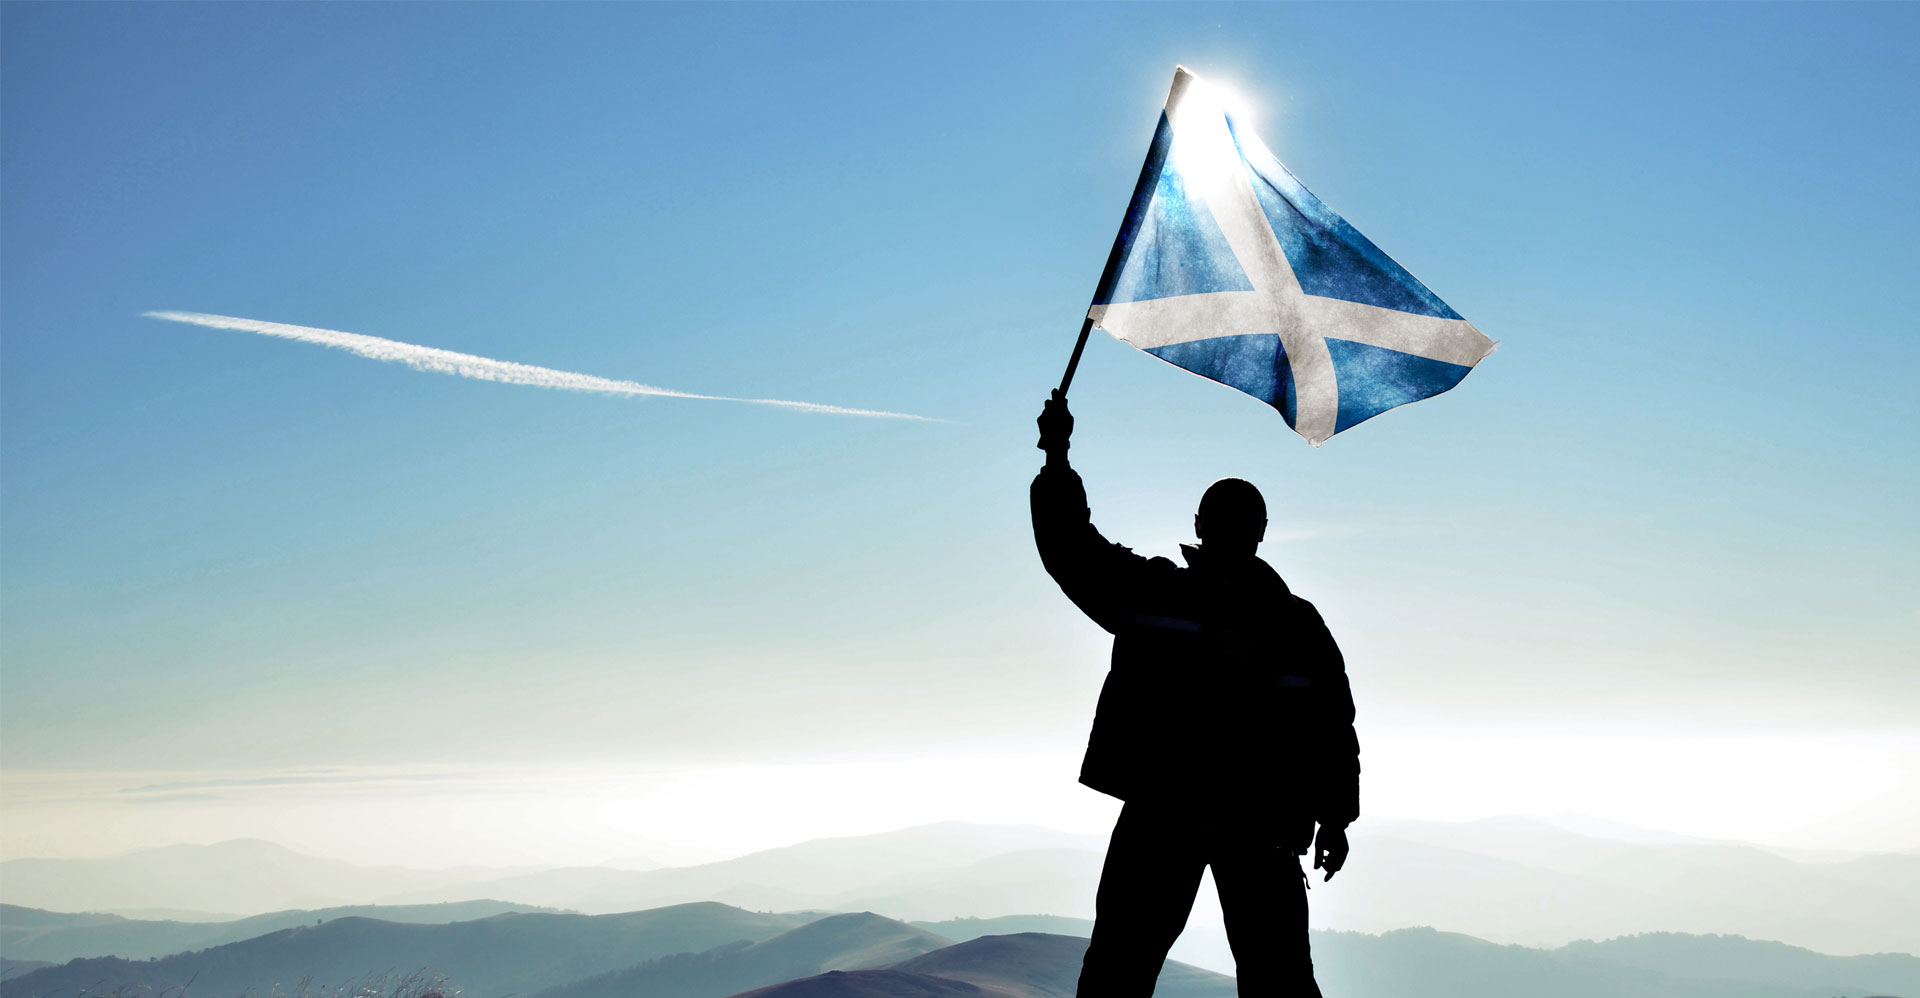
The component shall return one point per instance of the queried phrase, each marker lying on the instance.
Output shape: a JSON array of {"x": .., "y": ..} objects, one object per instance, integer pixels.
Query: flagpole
[{"x": 1074, "y": 361}]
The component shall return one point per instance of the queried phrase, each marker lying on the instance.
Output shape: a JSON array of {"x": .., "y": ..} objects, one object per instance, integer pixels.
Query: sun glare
[
  {"x": 1233, "y": 102},
  {"x": 1213, "y": 128}
]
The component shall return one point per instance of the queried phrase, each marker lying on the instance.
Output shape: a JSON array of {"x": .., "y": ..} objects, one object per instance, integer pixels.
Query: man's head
[{"x": 1232, "y": 519}]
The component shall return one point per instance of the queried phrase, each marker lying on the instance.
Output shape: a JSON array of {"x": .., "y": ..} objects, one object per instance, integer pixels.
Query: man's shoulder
[
  {"x": 1305, "y": 612},
  {"x": 1302, "y": 610}
]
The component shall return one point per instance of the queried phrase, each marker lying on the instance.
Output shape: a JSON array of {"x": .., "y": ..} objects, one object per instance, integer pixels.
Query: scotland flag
[{"x": 1228, "y": 267}]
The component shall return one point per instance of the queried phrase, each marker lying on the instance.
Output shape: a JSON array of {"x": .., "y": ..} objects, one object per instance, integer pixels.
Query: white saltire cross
[{"x": 1204, "y": 152}]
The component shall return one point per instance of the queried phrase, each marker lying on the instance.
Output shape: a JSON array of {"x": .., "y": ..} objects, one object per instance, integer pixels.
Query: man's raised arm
[{"x": 1090, "y": 569}]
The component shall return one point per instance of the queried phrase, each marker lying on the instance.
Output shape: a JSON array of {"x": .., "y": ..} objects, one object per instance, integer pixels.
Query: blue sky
[{"x": 1678, "y": 503}]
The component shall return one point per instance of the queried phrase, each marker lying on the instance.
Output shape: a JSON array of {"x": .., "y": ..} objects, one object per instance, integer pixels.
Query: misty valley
[{"x": 1497, "y": 907}]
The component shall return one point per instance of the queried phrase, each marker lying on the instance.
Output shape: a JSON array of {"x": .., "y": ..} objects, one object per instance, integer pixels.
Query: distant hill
[
  {"x": 245, "y": 875},
  {"x": 176, "y": 914},
  {"x": 20, "y": 918},
  {"x": 1888, "y": 871},
  {"x": 35, "y": 934},
  {"x": 829, "y": 873},
  {"x": 491, "y": 956},
  {"x": 11, "y": 968},
  {"x": 1449, "y": 965},
  {"x": 1059, "y": 880},
  {"x": 1685, "y": 957},
  {"x": 962, "y": 929},
  {"x": 837, "y": 942},
  {"x": 1524, "y": 881}
]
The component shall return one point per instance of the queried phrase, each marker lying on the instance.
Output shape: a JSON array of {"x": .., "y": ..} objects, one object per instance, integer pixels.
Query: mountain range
[
  {"x": 1509, "y": 880},
  {"x": 837, "y": 942},
  {"x": 501, "y": 954},
  {"x": 248, "y": 876},
  {"x": 683, "y": 951},
  {"x": 836, "y": 874},
  {"x": 712, "y": 951},
  {"x": 33, "y": 934}
]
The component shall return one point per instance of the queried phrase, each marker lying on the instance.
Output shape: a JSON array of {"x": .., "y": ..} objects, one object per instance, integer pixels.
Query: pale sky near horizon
[{"x": 1653, "y": 561}]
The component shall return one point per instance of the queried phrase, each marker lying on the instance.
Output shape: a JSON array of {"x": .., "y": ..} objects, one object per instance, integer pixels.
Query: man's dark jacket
[{"x": 1227, "y": 695}]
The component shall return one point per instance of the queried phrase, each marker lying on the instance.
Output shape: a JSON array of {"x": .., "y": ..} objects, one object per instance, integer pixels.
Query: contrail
[{"x": 467, "y": 365}]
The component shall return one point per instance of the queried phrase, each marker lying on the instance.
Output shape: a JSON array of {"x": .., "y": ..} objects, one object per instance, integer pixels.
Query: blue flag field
[{"x": 1228, "y": 267}]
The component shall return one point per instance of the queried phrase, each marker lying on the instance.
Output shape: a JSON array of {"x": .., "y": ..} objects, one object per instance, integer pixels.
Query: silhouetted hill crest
[
  {"x": 876, "y": 983},
  {"x": 1043, "y": 965},
  {"x": 835, "y": 942}
]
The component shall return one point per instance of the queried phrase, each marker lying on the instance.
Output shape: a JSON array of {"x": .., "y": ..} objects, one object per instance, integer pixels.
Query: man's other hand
[
  {"x": 1056, "y": 425},
  {"x": 1330, "y": 850}
]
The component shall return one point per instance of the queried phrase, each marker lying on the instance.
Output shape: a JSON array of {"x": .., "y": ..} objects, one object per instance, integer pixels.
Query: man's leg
[
  {"x": 1146, "y": 891},
  {"x": 1264, "y": 900}
]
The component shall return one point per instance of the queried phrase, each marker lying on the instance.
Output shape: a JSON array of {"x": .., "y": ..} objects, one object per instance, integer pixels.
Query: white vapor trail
[{"x": 467, "y": 365}]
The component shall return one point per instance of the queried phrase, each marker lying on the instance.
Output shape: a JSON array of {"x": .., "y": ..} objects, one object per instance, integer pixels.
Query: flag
[{"x": 1227, "y": 266}]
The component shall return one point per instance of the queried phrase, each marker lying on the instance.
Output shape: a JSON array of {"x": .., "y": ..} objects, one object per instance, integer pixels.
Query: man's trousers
[{"x": 1152, "y": 873}]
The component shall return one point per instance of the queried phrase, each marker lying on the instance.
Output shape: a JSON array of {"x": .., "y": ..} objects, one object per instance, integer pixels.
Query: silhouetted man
[{"x": 1226, "y": 725}]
